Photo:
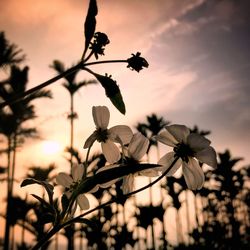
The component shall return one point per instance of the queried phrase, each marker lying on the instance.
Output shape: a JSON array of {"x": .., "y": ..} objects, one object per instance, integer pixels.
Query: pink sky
[
  {"x": 196, "y": 50},
  {"x": 162, "y": 31}
]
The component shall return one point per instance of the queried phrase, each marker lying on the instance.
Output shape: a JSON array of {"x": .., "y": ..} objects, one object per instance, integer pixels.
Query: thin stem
[
  {"x": 88, "y": 57},
  {"x": 58, "y": 227},
  {"x": 21, "y": 95},
  {"x": 46, "y": 237},
  {"x": 79, "y": 66},
  {"x": 71, "y": 129},
  {"x": 125, "y": 195},
  {"x": 107, "y": 61},
  {"x": 86, "y": 162}
]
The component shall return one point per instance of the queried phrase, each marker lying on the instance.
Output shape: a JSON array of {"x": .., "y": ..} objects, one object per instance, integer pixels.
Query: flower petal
[
  {"x": 64, "y": 179},
  {"x": 110, "y": 151},
  {"x": 179, "y": 132},
  {"x": 91, "y": 139},
  {"x": 208, "y": 156},
  {"x": 123, "y": 132},
  {"x": 193, "y": 174},
  {"x": 68, "y": 194},
  {"x": 128, "y": 184},
  {"x": 138, "y": 146},
  {"x": 166, "y": 138},
  {"x": 197, "y": 142},
  {"x": 101, "y": 116},
  {"x": 77, "y": 172},
  {"x": 83, "y": 201},
  {"x": 166, "y": 162}
]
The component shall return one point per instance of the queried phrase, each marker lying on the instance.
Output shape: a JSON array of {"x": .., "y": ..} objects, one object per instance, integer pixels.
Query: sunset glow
[
  {"x": 192, "y": 82},
  {"x": 51, "y": 147}
]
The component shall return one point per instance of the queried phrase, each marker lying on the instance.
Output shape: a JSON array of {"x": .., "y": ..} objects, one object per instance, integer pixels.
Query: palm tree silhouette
[
  {"x": 37, "y": 226},
  {"x": 151, "y": 128},
  {"x": 224, "y": 223},
  {"x": 19, "y": 209},
  {"x": 13, "y": 120},
  {"x": 9, "y": 53},
  {"x": 72, "y": 86},
  {"x": 40, "y": 173}
]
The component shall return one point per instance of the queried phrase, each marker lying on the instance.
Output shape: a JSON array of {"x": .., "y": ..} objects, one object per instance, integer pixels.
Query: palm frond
[
  {"x": 9, "y": 53},
  {"x": 58, "y": 66}
]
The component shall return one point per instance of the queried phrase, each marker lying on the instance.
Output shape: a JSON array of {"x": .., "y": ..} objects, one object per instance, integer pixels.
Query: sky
[
  {"x": 198, "y": 64},
  {"x": 198, "y": 58},
  {"x": 197, "y": 50}
]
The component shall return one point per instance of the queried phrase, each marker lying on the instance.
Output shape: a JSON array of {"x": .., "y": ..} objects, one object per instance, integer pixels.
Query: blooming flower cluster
[
  {"x": 123, "y": 148},
  {"x": 190, "y": 148},
  {"x": 70, "y": 182},
  {"x": 121, "y": 134}
]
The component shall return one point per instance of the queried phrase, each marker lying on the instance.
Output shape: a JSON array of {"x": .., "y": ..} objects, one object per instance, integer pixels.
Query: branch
[
  {"x": 74, "y": 220},
  {"x": 21, "y": 95},
  {"x": 124, "y": 196}
]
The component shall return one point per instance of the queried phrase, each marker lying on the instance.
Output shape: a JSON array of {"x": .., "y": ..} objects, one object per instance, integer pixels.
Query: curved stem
[
  {"x": 47, "y": 236},
  {"x": 58, "y": 227},
  {"x": 125, "y": 195},
  {"x": 79, "y": 66}
]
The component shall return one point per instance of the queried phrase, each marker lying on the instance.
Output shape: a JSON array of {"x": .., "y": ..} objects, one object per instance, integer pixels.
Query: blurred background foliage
[{"x": 215, "y": 217}]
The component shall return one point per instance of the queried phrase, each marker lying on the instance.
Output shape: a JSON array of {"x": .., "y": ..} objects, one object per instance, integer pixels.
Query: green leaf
[
  {"x": 112, "y": 91},
  {"x": 90, "y": 23},
  {"x": 48, "y": 187}
]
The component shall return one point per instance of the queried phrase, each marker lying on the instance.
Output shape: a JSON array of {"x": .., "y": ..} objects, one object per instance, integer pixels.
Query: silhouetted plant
[
  {"x": 12, "y": 123},
  {"x": 9, "y": 53},
  {"x": 114, "y": 176}
]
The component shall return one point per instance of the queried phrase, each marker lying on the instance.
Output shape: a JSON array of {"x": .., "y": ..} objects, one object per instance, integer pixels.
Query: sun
[{"x": 51, "y": 147}]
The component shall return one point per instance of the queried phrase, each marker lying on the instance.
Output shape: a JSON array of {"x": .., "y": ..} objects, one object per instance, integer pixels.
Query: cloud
[
  {"x": 211, "y": 41},
  {"x": 197, "y": 51}
]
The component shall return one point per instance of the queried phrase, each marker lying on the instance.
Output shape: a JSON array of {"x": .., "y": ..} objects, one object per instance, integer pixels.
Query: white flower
[
  {"x": 107, "y": 137},
  {"x": 70, "y": 182},
  {"x": 137, "y": 148},
  {"x": 189, "y": 147}
]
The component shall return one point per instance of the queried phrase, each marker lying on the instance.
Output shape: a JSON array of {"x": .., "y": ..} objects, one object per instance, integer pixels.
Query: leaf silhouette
[
  {"x": 48, "y": 187},
  {"x": 112, "y": 91},
  {"x": 90, "y": 23},
  {"x": 108, "y": 175}
]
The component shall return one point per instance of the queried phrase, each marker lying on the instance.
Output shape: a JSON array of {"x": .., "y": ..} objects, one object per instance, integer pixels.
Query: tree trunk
[
  {"x": 71, "y": 128},
  {"x": 164, "y": 230},
  {"x": 188, "y": 218},
  {"x": 152, "y": 225},
  {"x": 7, "y": 219}
]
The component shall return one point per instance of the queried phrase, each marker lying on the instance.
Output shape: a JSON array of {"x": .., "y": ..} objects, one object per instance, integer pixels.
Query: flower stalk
[
  {"x": 78, "y": 66},
  {"x": 57, "y": 228}
]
